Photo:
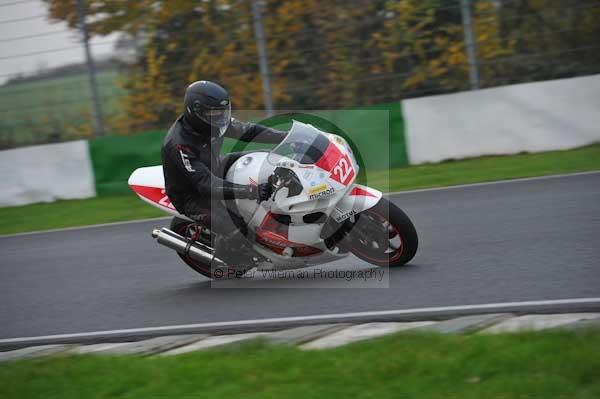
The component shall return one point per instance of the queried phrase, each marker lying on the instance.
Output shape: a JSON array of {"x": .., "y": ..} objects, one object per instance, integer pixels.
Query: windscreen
[{"x": 304, "y": 144}]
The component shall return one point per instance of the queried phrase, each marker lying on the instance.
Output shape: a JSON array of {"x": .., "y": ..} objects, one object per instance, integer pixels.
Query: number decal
[
  {"x": 165, "y": 201},
  {"x": 343, "y": 172}
]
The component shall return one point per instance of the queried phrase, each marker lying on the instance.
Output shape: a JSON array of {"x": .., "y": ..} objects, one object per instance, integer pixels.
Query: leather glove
[{"x": 261, "y": 193}]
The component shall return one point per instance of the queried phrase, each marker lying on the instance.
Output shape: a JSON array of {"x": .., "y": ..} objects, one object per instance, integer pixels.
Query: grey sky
[{"x": 60, "y": 38}]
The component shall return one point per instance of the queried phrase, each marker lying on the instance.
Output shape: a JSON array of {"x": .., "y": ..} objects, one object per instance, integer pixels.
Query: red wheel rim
[{"x": 390, "y": 257}]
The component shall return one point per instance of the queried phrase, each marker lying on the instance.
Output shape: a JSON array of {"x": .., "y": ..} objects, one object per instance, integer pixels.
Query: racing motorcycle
[{"x": 316, "y": 214}]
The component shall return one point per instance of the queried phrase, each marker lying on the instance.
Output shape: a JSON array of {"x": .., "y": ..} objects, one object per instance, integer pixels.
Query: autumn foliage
[{"x": 336, "y": 53}]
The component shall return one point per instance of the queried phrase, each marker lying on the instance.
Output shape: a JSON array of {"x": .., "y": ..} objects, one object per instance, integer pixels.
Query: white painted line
[
  {"x": 491, "y": 183},
  {"x": 92, "y": 226},
  {"x": 328, "y": 317}
]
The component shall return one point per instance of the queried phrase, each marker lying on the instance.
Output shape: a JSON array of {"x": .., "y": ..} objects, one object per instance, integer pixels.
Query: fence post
[
  {"x": 98, "y": 127},
  {"x": 263, "y": 57},
  {"x": 470, "y": 43}
]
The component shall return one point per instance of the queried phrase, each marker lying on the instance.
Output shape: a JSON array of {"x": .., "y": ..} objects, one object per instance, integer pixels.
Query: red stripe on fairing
[
  {"x": 360, "y": 191},
  {"x": 330, "y": 157},
  {"x": 270, "y": 224},
  {"x": 274, "y": 235},
  {"x": 154, "y": 194}
]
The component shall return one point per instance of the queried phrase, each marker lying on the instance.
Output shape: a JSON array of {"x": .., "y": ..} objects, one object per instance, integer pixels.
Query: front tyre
[{"x": 383, "y": 235}]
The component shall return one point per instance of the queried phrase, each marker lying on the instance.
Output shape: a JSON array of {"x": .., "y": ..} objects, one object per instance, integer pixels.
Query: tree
[
  {"x": 149, "y": 101},
  {"x": 552, "y": 39},
  {"x": 339, "y": 53}
]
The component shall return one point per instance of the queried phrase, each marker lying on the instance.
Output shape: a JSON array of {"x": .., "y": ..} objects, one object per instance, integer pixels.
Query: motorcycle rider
[{"x": 194, "y": 169}]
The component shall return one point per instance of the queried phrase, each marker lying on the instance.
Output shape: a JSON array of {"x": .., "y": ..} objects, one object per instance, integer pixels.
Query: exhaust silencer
[{"x": 182, "y": 245}]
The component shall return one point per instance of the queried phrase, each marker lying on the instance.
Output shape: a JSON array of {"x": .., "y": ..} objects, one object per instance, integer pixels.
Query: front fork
[{"x": 334, "y": 233}]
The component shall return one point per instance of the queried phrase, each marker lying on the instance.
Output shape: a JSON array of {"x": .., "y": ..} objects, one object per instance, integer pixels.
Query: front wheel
[{"x": 383, "y": 235}]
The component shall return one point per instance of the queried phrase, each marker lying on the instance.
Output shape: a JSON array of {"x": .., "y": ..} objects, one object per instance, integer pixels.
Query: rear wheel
[{"x": 383, "y": 235}]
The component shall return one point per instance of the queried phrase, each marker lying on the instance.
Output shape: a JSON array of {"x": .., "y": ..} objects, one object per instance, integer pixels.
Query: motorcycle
[{"x": 316, "y": 214}]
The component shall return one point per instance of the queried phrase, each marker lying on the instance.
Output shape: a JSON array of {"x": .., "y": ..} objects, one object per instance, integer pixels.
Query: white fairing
[
  {"x": 360, "y": 198},
  {"x": 327, "y": 187},
  {"x": 149, "y": 184},
  {"x": 330, "y": 190}
]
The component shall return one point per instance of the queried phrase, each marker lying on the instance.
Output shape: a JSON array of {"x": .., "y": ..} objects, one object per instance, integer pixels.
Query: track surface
[{"x": 518, "y": 241}]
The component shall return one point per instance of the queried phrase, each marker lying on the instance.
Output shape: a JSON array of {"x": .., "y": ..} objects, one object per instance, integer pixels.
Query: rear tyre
[{"x": 383, "y": 235}]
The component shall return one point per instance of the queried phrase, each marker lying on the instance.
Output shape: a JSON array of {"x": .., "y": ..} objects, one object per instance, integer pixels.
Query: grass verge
[
  {"x": 44, "y": 216},
  {"x": 489, "y": 168},
  {"x": 527, "y": 365},
  {"x": 129, "y": 207}
]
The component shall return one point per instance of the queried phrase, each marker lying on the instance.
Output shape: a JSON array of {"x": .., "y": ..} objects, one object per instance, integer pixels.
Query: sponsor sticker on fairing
[
  {"x": 325, "y": 192},
  {"x": 338, "y": 140},
  {"x": 317, "y": 189},
  {"x": 344, "y": 215}
]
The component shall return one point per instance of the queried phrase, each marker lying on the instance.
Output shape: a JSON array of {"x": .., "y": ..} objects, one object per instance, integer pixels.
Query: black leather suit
[{"x": 194, "y": 170}]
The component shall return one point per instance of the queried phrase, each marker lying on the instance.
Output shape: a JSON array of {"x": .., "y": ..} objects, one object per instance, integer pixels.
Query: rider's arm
[
  {"x": 247, "y": 131},
  {"x": 207, "y": 184}
]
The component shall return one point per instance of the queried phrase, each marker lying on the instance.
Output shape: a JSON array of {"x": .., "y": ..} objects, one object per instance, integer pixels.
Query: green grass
[
  {"x": 528, "y": 365},
  {"x": 70, "y": 213},
  {"x": 55, "y": 109},
  {"x": 487, "y": 168},
  {"x": 129, "y": 207}
]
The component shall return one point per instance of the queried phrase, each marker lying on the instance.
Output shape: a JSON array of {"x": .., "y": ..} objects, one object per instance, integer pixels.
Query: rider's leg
[
  {"x": 231, "y": 243},
  {"x": 229, "y": 228}
]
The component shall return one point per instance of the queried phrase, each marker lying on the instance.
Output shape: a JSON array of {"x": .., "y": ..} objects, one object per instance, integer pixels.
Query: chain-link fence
[{"x": 285, "y": 55}]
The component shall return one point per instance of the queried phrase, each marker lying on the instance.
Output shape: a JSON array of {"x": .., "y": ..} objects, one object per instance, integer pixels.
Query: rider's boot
[
  {"x": 236, "y": 252},
  {"x": 233, "y": 248}
]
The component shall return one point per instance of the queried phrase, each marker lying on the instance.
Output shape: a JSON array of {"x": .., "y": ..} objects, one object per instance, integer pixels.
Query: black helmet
[{"x": 207, "y": 106}]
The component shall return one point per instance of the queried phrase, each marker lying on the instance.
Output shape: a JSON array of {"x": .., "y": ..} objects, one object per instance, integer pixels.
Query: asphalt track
[{"x": 516, "y": 241}]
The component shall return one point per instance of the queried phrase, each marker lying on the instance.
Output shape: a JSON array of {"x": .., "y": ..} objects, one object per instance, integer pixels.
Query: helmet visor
[{"x": 217, "y": 117}]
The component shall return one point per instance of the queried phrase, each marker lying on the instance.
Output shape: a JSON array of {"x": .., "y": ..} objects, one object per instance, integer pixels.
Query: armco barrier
[
  {"x": 45, "y": 173},
  {"x": 533, "y": 117}
]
